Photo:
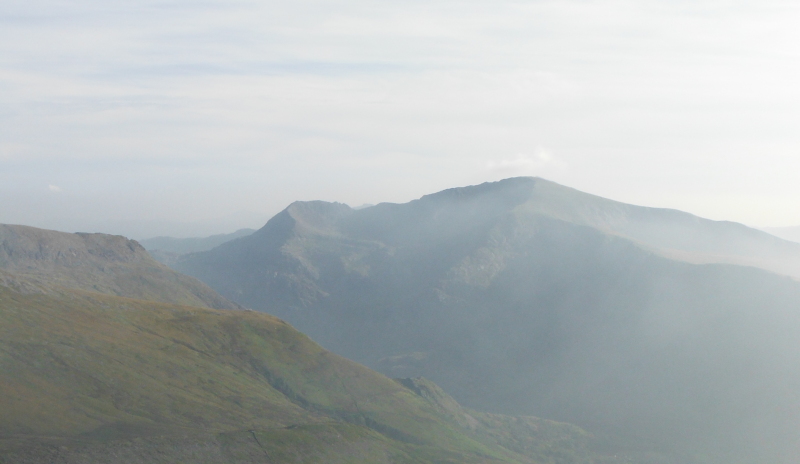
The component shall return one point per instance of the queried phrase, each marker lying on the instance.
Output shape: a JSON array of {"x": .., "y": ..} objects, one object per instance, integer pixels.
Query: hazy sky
[{"x": 195, "y": 117}]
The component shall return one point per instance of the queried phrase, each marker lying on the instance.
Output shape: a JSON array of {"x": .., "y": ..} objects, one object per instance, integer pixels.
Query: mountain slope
[
  {"x": 786, "y": 233},
  {"x": 167, "y": 250},
  {"x": 98, "y": 378},
  {"x": 192, "y": 244},
  {"x": 672, "y": 233},
  {"x": 525, "y": 296},
  {"x": 98, "y": 262}
]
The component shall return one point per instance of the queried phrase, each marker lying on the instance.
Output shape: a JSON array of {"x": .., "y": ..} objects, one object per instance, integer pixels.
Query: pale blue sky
[{"x": 183, "y": 117}]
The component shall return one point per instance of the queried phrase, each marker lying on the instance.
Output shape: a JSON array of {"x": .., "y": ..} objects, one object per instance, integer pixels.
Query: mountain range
[
  {"x": 655, "y": 329},
  {"x": 109, "y": 357}
]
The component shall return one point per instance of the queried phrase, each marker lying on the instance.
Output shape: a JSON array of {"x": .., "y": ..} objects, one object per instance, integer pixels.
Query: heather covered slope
[
  {"x": 101, "y": 263},
  {"x": 527, "y": 297},
  {"x": 91, "y": 378}
]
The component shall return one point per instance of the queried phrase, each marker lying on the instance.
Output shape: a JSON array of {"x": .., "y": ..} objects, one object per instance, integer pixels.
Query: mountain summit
[{"x": 656, "y": 327}]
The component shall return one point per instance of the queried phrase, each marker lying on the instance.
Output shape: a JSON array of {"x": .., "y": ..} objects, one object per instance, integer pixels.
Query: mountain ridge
[
  {"x": 98, "y": 262},
  {"x": 523, "y": 295}
]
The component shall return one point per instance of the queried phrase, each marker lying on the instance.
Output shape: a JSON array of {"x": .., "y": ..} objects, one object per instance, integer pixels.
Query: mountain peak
[
  {"x": 319, "y": 216},
  {"x": 514, "y": 189},
  {"x": 101, "y": 263},
  {"x": 25, "y": 246}
]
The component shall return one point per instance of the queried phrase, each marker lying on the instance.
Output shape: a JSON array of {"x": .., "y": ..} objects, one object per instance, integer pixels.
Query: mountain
[
  {"x": 92, "y": 375},
  {"x": 786, "y": 233},
  {"x": 189, "y": 245},
  {"x": 653, "y": 328},
  {"x": 93, "y": 378},
  {"x": 101, "y": 263}
]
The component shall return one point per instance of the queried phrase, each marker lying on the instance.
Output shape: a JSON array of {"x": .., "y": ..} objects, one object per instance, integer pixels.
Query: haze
[{"x": 192, "y": 118}]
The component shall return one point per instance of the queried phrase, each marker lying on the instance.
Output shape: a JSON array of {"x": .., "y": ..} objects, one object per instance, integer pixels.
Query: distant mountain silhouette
[
  {"x": 192, "y": 244},
  {"x": 654, "y": 327}
]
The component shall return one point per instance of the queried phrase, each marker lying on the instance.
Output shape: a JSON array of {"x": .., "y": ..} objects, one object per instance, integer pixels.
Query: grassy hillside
[
  {"x": 91, "y": 378},
  {"x": 101, "y": 263}
]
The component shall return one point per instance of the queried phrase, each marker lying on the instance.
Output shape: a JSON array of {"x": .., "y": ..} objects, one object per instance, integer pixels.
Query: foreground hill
[
  {"x": 101, "y": 263},
  {"x": 91, "y": 378},
  {"x": 526, "y": 296}
]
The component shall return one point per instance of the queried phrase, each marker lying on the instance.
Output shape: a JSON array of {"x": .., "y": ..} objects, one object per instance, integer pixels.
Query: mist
[
  {"x": 554, "y": 231},
  {"x": 524, "y": 296}
]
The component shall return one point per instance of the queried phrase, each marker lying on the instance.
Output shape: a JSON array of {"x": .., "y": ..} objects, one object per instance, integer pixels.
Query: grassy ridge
[{"x": 87, "y": 373}]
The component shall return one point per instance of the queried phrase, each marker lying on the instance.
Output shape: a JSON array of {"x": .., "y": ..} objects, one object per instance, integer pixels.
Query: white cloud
[
  {"x": 54, "y": 188},
  {"x": 639, "y": 99},
  {"x": 521, "y": 163}
]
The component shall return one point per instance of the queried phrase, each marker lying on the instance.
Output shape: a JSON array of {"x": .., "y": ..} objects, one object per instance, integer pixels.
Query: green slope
[{"x": 100, "y": 378}]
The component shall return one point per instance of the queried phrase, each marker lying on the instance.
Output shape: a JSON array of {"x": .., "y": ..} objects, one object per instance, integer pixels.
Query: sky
[{"x": 189, "y": 118}]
